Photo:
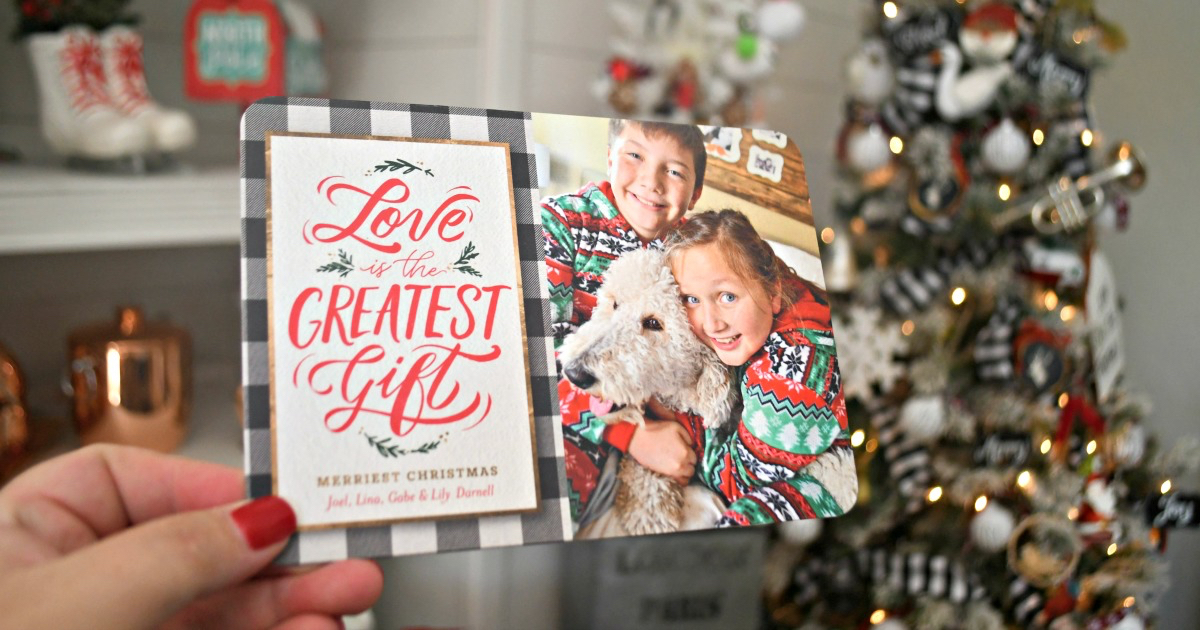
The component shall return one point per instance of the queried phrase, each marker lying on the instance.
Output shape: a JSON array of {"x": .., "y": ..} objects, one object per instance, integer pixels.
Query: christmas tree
[
  {"x": 1006, "y": 477},
  {"x": 695, "y": 61}
]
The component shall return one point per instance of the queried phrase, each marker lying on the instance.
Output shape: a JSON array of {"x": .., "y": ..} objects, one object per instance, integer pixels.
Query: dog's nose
[{"x": 579, "y": 377}]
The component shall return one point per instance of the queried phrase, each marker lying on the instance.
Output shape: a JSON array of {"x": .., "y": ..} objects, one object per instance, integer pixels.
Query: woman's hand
[
  {"x": 664, "y": 447},
  {"x": 117, "y": 537}
]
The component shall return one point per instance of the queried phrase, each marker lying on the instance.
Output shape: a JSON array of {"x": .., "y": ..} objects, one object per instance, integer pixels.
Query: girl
[{"x": 767, "y": 323}]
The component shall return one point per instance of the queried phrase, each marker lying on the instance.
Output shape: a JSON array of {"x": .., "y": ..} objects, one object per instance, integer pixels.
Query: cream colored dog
[{"x": 637, "y": 346}]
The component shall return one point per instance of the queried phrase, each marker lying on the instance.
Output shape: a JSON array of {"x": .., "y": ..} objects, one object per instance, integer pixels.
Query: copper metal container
[
  {"x": 14, "y": 416},
  {"x": 131, "y": 382}
]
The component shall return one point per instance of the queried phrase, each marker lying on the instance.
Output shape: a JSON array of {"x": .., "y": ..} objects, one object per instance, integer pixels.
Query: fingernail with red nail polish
[{"x": 265, "y": 521}]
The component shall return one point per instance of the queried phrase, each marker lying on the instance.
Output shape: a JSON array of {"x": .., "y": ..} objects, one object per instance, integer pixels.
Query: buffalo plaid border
[{"x": 552, "y": 522}]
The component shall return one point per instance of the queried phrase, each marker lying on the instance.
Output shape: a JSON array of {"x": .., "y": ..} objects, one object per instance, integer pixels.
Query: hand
[
  {"x": 117, "y": 537},
  {"x": 664, "y": 447}
]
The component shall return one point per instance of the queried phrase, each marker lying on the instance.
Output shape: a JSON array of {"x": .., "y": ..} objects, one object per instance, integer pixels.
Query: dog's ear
[{"x": 714, "y": 393}]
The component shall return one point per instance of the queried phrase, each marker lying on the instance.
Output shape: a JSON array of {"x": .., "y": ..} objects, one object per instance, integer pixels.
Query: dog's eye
[{"x": 651, "y": 323}]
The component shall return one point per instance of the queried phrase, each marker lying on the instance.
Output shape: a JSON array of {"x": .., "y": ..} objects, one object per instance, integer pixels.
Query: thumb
[{"x": 143, "y": 575}]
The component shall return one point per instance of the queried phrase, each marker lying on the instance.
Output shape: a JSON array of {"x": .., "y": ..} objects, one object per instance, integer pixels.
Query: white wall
[{"x": 541, "y": 55}]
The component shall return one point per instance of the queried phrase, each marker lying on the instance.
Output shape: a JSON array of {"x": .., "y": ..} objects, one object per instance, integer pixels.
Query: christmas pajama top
[
  {"x": 584, "y": 234},
  {"x": 793, "y": 406},
  {"x": 793, "y": 410}
]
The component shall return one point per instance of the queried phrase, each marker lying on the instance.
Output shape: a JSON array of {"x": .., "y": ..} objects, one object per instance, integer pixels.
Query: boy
[{"x": 655, "y": 175}]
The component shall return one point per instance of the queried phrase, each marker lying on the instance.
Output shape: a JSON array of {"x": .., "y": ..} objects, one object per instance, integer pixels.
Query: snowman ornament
[{"x": 988, "y": 36}]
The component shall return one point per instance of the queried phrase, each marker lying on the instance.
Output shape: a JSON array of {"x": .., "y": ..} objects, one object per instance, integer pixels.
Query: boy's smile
[{"x": 653, "y": 180}]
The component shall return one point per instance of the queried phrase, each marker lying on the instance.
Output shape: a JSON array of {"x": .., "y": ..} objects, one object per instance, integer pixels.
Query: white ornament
[
  {"x": 1131, "y": 446},
  {"x": 1006, "y": 148},
  {"x": 780, "y": 19},
  {"x": 77, "y": 115},
  {"x": 867, "y": 351},
  {"x": 867, "y": 149},
  {"x": 923, "y": 417},
  {"x": 1130, "y": 621},
  {"x": 991, "y": 528},
  {"x": 171, "y": 129},
  {"x": 740, "y": 69},
  {"x": 870, "y": 73},
  {"x": 800, "y": 533}
]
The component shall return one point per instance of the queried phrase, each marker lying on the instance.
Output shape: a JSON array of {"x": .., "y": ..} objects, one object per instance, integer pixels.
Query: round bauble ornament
[
  {"x": 780, "y": 19},
  {"x": 870, "y": 73},
  {"x": 800, "y": 533},
  {"x": 991, "y": 528},
  {"x": 923, "y": 417},
  {"x": 747, "y": 45},
  {"x": 740, "y": 67},
  {"x": 1131, "y": 621},
  {"x": 1130, "y": 445},
  {"x": 867, "y": 149},
  {"x": 1006, "y": 148}
]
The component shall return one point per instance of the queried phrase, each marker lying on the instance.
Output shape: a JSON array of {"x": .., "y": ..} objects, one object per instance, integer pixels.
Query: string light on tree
[
  {"x": 958, "y": 296},
  {"x": 857, "y": 438},
  {"x": 1024, "y": 479},
  {"x": 981, "y": 108},
  {"x": 1166, "y": 486}
]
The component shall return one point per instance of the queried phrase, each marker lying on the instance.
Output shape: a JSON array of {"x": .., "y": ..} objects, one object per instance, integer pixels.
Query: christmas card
[{"x": 473, "y": 328}]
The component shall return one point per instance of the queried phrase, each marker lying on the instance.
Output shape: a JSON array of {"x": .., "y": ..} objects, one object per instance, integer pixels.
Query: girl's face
[{"x": 728, "y": 314}]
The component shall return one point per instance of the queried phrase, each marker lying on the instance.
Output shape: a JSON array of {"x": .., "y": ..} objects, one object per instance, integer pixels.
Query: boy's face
[
  {"x": 728, "y": 315},
  {"x": 653, "y": 180}
]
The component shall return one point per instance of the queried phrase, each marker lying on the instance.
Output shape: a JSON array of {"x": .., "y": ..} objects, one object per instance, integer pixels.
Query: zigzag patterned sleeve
[
  {"x": 793, "y": 411},
  {"x": 560, "y": 268}
]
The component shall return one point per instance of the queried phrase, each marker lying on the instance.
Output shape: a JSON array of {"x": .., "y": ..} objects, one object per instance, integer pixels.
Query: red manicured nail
[{"x": 265, "y": 521}]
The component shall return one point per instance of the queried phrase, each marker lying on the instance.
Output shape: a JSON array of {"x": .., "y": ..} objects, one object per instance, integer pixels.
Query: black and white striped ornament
[
  {"x": 907, "y": 459},
  {"x": 912, "y": 290},
  {"x": 994, "y": 344},
  {"x": 912, "y": 98},
  {"x": 919, "y": 574},
  {"x": 1025, "y": 601},
  {"x": 1031, "y": 13}
]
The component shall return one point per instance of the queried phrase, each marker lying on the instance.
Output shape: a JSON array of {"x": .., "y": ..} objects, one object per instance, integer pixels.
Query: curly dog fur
[{"x": 638, "y": 345}]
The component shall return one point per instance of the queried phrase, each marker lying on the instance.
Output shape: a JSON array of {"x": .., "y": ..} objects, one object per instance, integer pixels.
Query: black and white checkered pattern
[
  {"x": 913, "y": 289},
  {"x": 551, "y": 523},
  {"x": 912, "y": 100},
  {"x": 1025, "y": 600},
  {"x": 994, "y": 343},
  {"x": 907, "y": 459},
  {"x": 918, "y": 574}
]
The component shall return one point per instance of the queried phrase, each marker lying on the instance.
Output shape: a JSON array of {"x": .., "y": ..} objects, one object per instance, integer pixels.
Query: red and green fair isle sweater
[
  {"x": 584, "y": 234},
  {"x": 793, "y": 406},
  {"x": 793, "y": 410}
]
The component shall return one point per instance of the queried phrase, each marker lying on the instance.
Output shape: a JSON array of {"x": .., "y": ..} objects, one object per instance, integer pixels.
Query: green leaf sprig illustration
[
  {"x": 398, "y": 164},
  {"x": 463, "y": 263},
  {"x": 386, "y": 449},
  {"x": 342, "y": 267}
]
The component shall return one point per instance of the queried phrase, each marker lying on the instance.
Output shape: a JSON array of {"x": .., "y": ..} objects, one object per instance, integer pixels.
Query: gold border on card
[{"x": 520, "y": 296}]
